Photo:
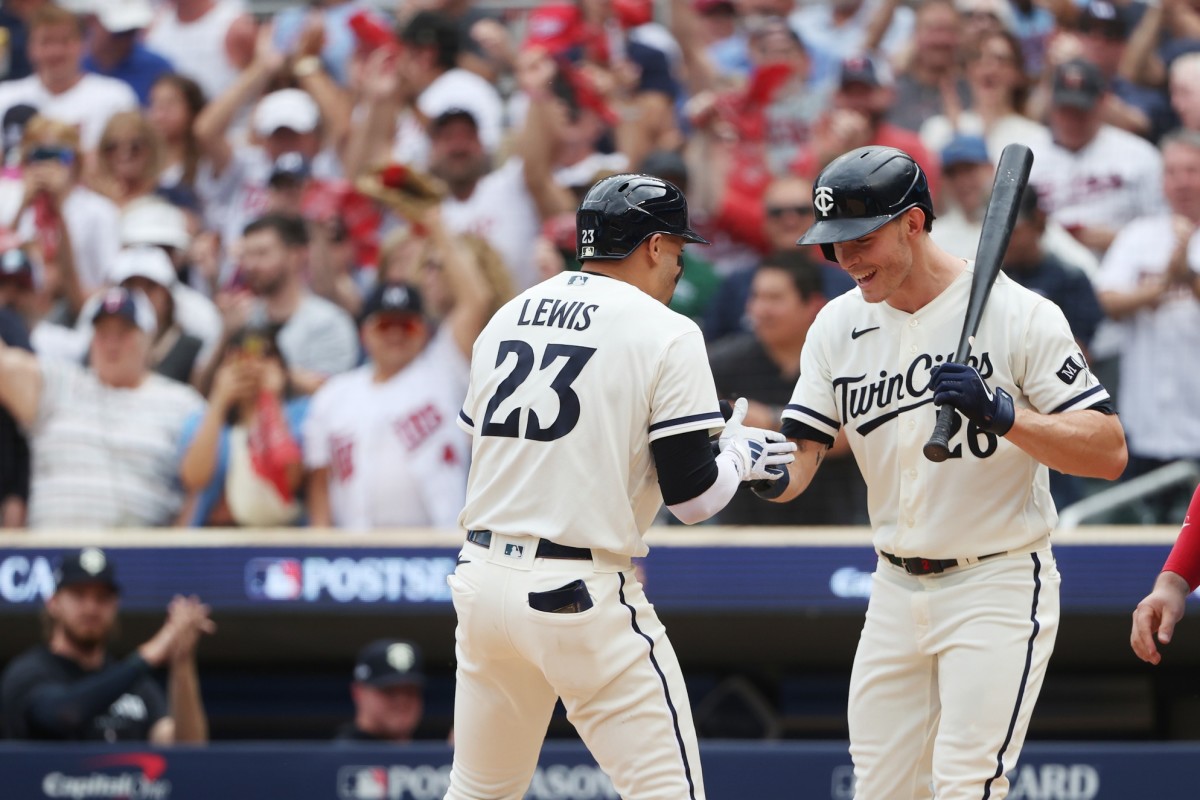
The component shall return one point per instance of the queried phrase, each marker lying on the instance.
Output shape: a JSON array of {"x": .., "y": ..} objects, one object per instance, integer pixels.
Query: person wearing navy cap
[
  {"x": 388, "y": 693},
  {"x": 72, "y": 688}
]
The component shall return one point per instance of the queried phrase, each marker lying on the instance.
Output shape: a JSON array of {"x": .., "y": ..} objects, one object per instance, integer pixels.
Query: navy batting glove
[
  {"x": 962, "y": 387},
  {"x": 769, "y": 490}
]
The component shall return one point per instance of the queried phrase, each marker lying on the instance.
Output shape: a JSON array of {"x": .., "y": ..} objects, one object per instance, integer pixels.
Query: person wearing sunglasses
[
  {"x": 381, "y": 445},
  {"x": 785, "y": 214},
  {"x": 130, "y": 159}
]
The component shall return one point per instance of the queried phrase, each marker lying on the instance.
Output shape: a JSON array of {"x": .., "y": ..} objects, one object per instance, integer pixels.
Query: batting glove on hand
[
  {"x": 962, "y": 387},
  {"x": 754, "y": 449}
]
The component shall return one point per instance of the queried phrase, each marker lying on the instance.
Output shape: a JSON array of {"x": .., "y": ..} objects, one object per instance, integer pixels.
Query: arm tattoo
[{"x": 803, "y": 445}]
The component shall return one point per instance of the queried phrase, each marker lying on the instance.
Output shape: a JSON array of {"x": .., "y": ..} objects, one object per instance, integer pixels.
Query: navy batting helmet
[
  {"x": 620, "y": 212},
  {"x": 863, "y": 190}
]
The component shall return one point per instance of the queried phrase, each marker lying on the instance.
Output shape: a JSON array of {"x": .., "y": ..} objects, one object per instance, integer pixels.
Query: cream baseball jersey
[
  {"x": 542, "y": 372},
  {"x": 866, "y": 367}
]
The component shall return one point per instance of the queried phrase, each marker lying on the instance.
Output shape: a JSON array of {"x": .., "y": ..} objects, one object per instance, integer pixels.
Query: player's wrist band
[{"x": 769, "y": 490}]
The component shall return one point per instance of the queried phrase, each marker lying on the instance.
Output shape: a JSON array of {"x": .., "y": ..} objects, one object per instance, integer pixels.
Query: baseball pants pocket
[{"x": 570, "y": 600}]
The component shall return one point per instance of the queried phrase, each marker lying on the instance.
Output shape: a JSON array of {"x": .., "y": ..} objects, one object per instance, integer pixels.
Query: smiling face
[{"x": 882, "y": 261}]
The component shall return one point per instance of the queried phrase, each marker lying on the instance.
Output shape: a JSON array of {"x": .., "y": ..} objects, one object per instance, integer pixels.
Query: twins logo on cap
[
  {"x": 93, "y": 560},
  {"x": 823, "y": 200},
  {"x": 401, "y": 657},
  {"x": 395, "y": 297}
]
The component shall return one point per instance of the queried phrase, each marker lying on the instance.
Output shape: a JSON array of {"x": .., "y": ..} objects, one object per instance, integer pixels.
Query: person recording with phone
[{"x": 241, "y": 455}]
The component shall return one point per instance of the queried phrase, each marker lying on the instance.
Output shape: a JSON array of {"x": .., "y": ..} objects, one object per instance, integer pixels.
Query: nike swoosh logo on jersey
[{"x": 854, "y": 334}]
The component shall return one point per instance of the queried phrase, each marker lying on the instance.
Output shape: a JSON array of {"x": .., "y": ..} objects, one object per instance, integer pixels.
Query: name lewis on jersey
[
  {"x": 575, "y": 315},
  {"x": 858, "y": 397}
]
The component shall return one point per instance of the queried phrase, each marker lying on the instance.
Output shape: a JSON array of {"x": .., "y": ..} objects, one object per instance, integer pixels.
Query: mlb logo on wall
[
  {"x": 274, "y": 579},
  {"x": 363, "y": 783}
]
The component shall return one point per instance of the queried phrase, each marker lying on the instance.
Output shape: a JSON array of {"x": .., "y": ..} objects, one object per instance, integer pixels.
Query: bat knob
[{"x": 936, "y": 452}]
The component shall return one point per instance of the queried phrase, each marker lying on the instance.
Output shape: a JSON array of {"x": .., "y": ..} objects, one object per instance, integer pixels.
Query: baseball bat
[{"x": 1012, "y": 176}]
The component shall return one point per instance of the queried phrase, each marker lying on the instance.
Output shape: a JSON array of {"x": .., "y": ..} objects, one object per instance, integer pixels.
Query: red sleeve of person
[{"x": 744, "y": 111}]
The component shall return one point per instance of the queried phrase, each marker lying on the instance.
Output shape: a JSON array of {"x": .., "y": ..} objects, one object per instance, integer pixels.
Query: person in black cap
[
  {"x": 380, "y": 441},
  {"x": 388, "y": 693},
  {"x": 1104, "y": 31},
  {"x": 72, "y": 689},
  {"x": 1094, "y": 177}
]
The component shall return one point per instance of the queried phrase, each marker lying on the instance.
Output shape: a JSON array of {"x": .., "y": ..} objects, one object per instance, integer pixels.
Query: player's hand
[
  {"x": 191, "y": 620},
  {"x": 1155, "y": 617},
  {"x": 962, "y": 387},
  {"x": 754, "y": 450},
  {"x": 770, "y": 489}
]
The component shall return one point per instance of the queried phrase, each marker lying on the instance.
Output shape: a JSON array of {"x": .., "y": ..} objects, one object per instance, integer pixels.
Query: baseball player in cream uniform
[
  {"x": 964, "y": 604},
  {"x": 590, "y": 404}
]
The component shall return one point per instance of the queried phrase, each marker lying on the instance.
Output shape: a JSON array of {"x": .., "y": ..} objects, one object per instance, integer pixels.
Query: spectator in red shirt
[{"x": 858, "y": 119}]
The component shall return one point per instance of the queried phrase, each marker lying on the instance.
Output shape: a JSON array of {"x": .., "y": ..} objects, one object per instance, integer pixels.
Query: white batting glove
[{"x": 754, "y": 450}]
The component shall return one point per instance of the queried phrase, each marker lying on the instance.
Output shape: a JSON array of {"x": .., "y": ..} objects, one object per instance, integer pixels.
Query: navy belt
[
  {"x": 932, "y": 566},
  {"x": 545, "y": 547}
]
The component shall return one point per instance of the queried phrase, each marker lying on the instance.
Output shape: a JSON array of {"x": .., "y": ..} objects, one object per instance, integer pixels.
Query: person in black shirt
[
  {"x": 14, "y": 449},
  {"x": 388, "y": 692},
  {"x": 762, "y": 365},
  {"x": 1065, "y": 285},
  {"x": 72, "y": 689}
]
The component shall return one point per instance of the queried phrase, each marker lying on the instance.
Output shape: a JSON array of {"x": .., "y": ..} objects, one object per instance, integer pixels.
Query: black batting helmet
[
  {"x": 620, "y": 212},
  {"x": 863, "y": 190}
]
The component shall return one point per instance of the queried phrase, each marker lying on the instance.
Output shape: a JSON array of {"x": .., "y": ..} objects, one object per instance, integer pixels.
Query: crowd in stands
[{"x": 243, "y": 258}]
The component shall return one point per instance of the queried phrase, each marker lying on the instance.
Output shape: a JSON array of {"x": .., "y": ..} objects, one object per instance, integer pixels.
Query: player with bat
[{"x": 964, "y": 603}]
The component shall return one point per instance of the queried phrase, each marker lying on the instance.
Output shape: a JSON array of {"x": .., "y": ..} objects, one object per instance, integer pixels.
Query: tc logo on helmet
[{"x": 823, "y": 200}]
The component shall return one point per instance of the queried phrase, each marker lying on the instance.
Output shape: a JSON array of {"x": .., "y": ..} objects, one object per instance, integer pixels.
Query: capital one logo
[{"x": 823, "y": 200}]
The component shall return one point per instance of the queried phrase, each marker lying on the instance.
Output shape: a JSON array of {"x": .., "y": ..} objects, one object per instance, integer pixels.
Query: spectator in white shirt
[
  {"x": 59, "y": 87},
  {"x": 52, "y": 166},
  {"x": 104, "y": 439}
]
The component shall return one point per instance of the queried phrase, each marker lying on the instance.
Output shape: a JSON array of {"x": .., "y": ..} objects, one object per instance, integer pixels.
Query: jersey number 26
[{"x": 568, "y": 402}]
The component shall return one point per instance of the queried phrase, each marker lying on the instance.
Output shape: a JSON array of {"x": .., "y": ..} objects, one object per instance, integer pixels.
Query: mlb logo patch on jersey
[
  {"x": 580, "y": 280},
  {"x": 1070, "y": 370}
]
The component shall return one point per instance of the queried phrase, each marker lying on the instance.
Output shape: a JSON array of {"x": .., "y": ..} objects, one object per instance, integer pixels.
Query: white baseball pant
[
  {"x": 612, "y": 665},
  {"x": 946, "y": 676}
]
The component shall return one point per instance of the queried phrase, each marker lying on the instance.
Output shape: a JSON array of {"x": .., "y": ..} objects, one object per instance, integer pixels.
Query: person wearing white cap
[
  {"x": 284, "y": 121},
  {"x": 114, "y": 49},
  {"x": 59, "y": 87},
  {"x": 173, "y": 353},
  {"x": 155, "y": 223},
  {"x": 104, "y": 439}
]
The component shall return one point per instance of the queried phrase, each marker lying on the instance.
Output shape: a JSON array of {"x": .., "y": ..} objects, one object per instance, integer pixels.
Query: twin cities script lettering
[
  {"x": 575, "y": 315},
  {"x": 859, "y": 398}
]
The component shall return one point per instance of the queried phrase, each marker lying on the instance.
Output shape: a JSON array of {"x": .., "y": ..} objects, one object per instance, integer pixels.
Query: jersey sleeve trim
[
  {"x": 692, "y": 422},
  {"x": 1091, "y": 397},
  {"x": 795, "y": 429},
  {"x": 806, "y": 416},
  {"x": 465, "y": 422},
  {"x": 671, "y": 423}
]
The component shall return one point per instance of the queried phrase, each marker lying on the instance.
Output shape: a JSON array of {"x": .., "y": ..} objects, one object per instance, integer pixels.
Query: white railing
[{"x": 1128, "y": 492}]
